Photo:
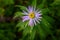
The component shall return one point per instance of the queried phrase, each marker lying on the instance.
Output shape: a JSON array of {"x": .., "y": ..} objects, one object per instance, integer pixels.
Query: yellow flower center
[{"x": 31, "y": 15}]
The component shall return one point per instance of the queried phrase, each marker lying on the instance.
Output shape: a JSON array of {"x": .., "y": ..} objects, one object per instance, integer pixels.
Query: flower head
[{"x": 33, "y": 15}]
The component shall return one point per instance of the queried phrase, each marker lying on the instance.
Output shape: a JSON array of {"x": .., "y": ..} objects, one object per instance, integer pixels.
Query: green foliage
[
  {"x": 34, "y": 3},
  {"x": 18, "y": 14},
  {"x": 56, "y": 2},
  {"x": 6, "y": 32},
  {"x": 1, "y": 10},
  {"x": 6, "y": 2},
  {"x": 12, "y": 26},
  {"x": 21, "y": 7}
]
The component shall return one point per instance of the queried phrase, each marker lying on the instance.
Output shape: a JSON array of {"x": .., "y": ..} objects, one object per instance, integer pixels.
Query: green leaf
[
  {"x": 32, "y": 34},
  {"x": 2, "y": 36},
  {"x": 18, "y": 14},
  {"x": 56, "y": 2},
  {"x": 1, "y": 31},
  {"x": 1, "y": 11},
  {"x": 43, "y": 3},
  {"x": 6, "y": 2},
  {"x": 26, "y": 31},
  {"x": 41, "y": 32},
  {"x": 58, "y": 13},
  {"x": 21, "y": 7},
  {"x": 46, "y": 26},
  {"x": 45, "y": 11},
  {"x": 34, "y": 3},
  {"x": 23, "y": 26},
  {"x": 41, "y": 6},
  {"x": 49, "y": 19}
]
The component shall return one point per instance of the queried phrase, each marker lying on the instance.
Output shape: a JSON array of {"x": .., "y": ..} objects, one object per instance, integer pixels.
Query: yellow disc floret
[{"x": 31, "y": 15}]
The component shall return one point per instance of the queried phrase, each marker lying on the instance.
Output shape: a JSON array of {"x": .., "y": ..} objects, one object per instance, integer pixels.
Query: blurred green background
[{"x": 10, "y": 9}]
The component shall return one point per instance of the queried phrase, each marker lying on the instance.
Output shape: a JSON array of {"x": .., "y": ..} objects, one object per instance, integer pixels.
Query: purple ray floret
[{"x": 32, "y": 15}]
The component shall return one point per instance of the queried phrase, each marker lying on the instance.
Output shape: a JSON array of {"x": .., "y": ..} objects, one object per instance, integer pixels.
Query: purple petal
[
  {"x": 40, "y": 17},
  {"x": 30, "y": 9},
  {"x": 36, "y": 19},
  {"x": 37, "y": 15},
  {"x": 24, "y": 12},
  {"x": 37, "y": 11},
  {"x": 31, "y": 23},
  {"x": 25, "y": 18},
  {"x": 34, "y": 22},
  {"x": 34, "y": 9}
]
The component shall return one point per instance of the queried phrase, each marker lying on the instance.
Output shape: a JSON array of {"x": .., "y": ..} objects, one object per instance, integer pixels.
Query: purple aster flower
[{"x": 33, "y": 15}]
